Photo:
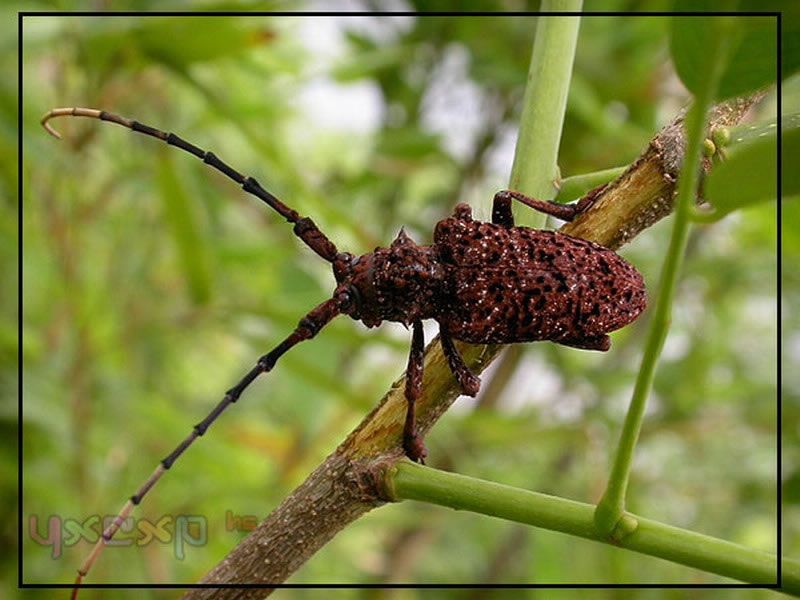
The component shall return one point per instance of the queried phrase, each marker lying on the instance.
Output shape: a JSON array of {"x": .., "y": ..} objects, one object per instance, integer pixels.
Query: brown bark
[
  {"x": 644, "y": 193},
  {"x": 347, "y": 484}
]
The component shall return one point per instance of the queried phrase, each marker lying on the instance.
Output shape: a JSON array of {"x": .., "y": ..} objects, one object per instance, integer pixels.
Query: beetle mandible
[{"x": 484, "y": 283}]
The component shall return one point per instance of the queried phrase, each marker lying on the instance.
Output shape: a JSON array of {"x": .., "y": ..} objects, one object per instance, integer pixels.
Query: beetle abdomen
[{"x": 521, "y": 285}]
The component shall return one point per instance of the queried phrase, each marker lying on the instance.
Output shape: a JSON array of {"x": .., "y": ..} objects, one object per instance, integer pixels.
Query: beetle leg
[
  {"x": 470, "y": 383},
  {"x": 598, "y": 342},
  {"x": 412, "y": 442},
  {"x": 308, "y": 327},
  {"x": 501, "y": 212}
]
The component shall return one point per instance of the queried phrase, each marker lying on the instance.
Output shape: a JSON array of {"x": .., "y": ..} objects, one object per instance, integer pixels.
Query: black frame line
[
  {"x": 778, "y": 381},
  {"x": 20, "y": 150}
]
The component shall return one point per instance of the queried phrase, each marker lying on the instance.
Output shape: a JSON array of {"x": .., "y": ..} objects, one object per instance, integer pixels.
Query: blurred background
[{"x": 152, "y": 283}]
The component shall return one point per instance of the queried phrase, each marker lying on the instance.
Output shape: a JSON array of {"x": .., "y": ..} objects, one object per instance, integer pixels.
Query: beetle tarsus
[
  {"x": 469, "y": 383},
  {"x": 502, "y": 215},
  {"x": 415, "y": 448}
]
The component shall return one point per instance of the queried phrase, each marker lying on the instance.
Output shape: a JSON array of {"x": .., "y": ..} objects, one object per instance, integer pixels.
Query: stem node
[
  {"x": 626, "y": 525},
  {"x": 607, "y": 516}
]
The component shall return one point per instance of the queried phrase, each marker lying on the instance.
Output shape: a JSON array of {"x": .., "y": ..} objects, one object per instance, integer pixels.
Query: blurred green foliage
[
  {"x": 151, "y": 284},
  {"x": 750, "y": 56}
]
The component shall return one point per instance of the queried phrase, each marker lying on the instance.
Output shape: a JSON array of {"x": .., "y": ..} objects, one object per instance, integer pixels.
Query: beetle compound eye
[
  {"x": 349, "y": 301},
  {"x": 355, "y": 300}
]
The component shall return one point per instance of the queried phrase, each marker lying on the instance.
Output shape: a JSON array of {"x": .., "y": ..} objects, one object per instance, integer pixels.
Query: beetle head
[{"x": 397, "y": 283}]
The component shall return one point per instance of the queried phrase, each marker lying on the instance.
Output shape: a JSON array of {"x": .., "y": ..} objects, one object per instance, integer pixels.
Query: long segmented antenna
[
  {"x": 308, "y": 327},
  {"x": 304, "y": 227}
]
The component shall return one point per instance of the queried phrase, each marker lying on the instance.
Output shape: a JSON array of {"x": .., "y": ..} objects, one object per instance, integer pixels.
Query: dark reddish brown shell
[{"x": 516, "y": 284}]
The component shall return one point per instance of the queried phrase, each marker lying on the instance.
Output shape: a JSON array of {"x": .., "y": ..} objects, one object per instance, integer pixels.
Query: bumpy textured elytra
[
  {"x": 484, "y": 283},
  {"x": 515, "y": 284}
]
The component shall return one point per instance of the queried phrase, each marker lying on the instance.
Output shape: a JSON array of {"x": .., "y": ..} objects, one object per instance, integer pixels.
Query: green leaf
[
  {"x": 748, "y": 174},
  {"x": 408, "y": 143},
  {"x": 371, "y": 63},
  {"x": 188, "y": 40},
  {"x": 750, "y": 60},
  {"x": 790, "y": 239},
  {"x": 790, "y": 150},
  {"x": 790, "y": 40},
  {"x": 790, "y": 29}
]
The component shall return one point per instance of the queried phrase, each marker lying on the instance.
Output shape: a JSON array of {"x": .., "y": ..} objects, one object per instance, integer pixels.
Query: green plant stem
[
  {"x": 611, "y": 507},
  {"x": 535, "y": 167},
  {"x": 576, "y": 186},
  {"x": 410, "y": 481}
]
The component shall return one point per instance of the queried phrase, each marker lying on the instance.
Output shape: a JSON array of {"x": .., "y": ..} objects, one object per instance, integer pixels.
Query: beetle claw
[{"x": 415, "y": 448}]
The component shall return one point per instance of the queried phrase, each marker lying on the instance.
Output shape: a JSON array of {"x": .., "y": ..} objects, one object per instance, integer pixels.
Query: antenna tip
[
  {"x": 49, "y": 127},
  {"x": 76, "y": 588}
]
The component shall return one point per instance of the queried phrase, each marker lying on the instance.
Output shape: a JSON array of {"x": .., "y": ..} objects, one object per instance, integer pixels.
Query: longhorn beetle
[{"x": 484, "y": 283}]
